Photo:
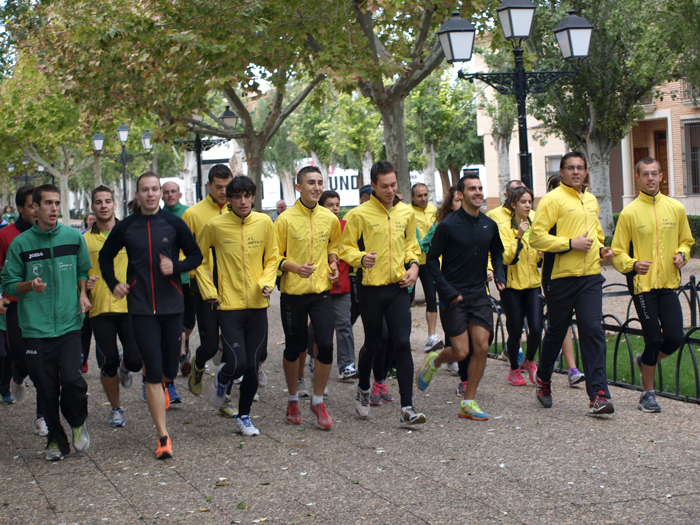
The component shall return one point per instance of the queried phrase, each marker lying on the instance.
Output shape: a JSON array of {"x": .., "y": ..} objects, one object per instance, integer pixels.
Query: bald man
[{"x": 281, "y": 206}]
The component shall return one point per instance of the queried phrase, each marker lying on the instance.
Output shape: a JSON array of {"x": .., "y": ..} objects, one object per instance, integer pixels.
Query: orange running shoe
[
  {"x": 167, "y": 397},
  {"x": 165, "y": 448}
]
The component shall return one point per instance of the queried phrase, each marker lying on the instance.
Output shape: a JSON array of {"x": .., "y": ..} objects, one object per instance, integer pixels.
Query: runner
[
  {"x": 308, "y": 236},
  {"x": 464, "y": 240},
  {"x": 425, "y": 214},
  {"x": 196, "y": 217},
  {"x": 153, "y": 240},
  {"x": 380, "y": 238},
  {"x": 567, "y": 229},
  {"x": 109, "y": 317},
  {"x": 245, "y": 247},
  {"x": 651, "y": 245},
  {"x": 47, "y": 269}
]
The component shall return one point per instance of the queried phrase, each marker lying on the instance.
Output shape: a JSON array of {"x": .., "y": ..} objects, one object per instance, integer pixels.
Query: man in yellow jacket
[
  {"x": 109, "y": 316},
  {"x": 380, "y": 237},
  {"x": 651, "y": 244},
  {"x": 244, "y": 246},
  {"x": 308, "y": 236},
  {"x": 567, "y": 230}
]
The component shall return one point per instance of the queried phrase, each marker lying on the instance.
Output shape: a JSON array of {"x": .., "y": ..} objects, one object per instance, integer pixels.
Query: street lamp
[
  {"x": 146, "y": 140},
  {"x": 11, "y": 167},
  {"x": 123, "y": 134},
  {"x": 98, "y": 142},
  {"x": 574, "y": 38},
  {"x": 229, "y": 118}
]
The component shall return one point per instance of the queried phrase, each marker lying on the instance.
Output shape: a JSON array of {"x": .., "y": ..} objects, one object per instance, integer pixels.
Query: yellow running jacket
[
  {"x": 197, "y": 216},
  {"x": 425, "y": 218},
  {"x": 305, "y": 235},
  {"x": 370, "y": 227},
  {"x": 246, "y": 256},
  {"x": 103, "y": 302},
  {"x": 520, "y": 260},
  {"x": 651, "y": 228},
  {"x": 564, "y": 214}
]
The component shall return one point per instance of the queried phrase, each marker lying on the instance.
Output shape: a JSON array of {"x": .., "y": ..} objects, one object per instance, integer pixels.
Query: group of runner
[{"x": 148, "y": 278}]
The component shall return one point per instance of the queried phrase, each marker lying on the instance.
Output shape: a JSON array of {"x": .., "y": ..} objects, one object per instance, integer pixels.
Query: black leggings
[
  {"x": 296, "y": 310},
  {"x": 16, "y": 349},
  {"x": 244, "y": 337},
  {"x": 106, "y": 328},
  {"x": 390, "y": 303},
  {"x": 158, "y": 338},
  {"x": 661, "y": 317},
  {"x": 208, "y": 324},
  {"x": 189, "y": 318},
  {"x": 429, "y": 290},
  {"x": 85, "y": 338},
  {"x": 519, "y": 304}
]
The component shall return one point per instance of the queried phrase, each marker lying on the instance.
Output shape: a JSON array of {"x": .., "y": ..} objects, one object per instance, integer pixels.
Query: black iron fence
[{"x": 623, "y": 352}]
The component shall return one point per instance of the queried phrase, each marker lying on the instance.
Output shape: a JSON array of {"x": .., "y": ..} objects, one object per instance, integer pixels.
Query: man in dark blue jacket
[{"x": 153, "y": 241}]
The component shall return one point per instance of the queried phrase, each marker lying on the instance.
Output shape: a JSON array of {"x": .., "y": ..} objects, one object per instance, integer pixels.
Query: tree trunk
[
  {"x": 503, "y": 151},
  {"x": 287, "y": 182},
  {"x": 445, "y": 178},
  {"x": 455, "y": 171},
  {"x": 597, "y": 150},
  {"x": 429, "y": 173},
  {"x": 395, "y": 141},
  {"x": 189, "y": 176},
  {"x": 154, "y": 161},
  {"x": 323, "y": 167},
  {"x": 65, "y": 198},
  {"x": 255, "y": 150},
  {"x": 97, "y": 168},
  {"x": 87, "y": 199},
  {"x": 236, "y": 161},
  {"x": 367, "y": 161}
]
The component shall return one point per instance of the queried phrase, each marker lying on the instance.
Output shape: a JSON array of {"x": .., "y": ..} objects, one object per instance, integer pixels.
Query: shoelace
[
  {"x": 364, "y": 398},
  {"x": 545, "y": 389}
]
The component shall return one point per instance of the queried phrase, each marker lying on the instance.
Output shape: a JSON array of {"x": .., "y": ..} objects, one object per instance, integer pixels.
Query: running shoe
[
  {"x": 262, "y": 377},
  {"x": 256, "y": 397},
  {"x": 8, "y": 400},
  {"x": 81, "y": 438},
  {"x": 218, "y": 355},
  {"x": 293, "y": 413},
  {"x": 472, "y": 411},
  {"x": 601, "y": 404},
  {"x": 302, "y": 389},
  {"x": 375, "y": 396},
  {"x": 504, "y": 353},
  {"x": 362, "y": 403},
  {"x": 638, "y": 362},
  {"x": 167, "y": 397},
  {"x": 647, "y": 402},
  {"x": 392, "y": 372},
  {"x": 453, "y": 368},
  {"x": 433, "y": 343},
  {"x": 409, "y": 416},
  {"x": 53, "y": 452},
  {"x": 126, "y": 377},
  {"x": 461, "y": 388},
  {"x": 544, "y": 393},
  {"x": 426, "y": 372},
  {"x": 17, "y": 390},
  {"x": 227, "y": 410},
  {"x": 312, "y": 364},
  {"x": 386, "y": 396},
  {"x": 348, "y": 372},
  {"x": 217, "y": 390},
  {"x": 165, "y": 448},
  {"x": 116, "y": 417},
  {"x": 324, "y": 419},
  {"x": 185, "y": 363},
  {"x": 516, "y": 378},
  {"x": 194, "y": 382},
  {"x": 575, "y": 377},
  {"x": 172, "y": 393},
  {"x": 531, "y": 369},
  {"x": 243, "y": 425},
  {"x": 85, "y": 367},
  {"x": 40, "y": 427}
]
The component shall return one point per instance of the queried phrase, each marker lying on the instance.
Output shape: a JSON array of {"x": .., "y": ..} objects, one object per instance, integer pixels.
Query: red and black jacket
[{"x": 146, "y": 238}]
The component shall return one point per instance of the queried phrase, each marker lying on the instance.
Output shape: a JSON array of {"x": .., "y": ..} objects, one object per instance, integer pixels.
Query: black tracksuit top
[{"x": 146, "y": 237}]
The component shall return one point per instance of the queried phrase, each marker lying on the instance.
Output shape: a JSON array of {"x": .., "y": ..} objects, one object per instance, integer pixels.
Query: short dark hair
[
  {"x": 468, "y": 175},
  {"x": 415, "y": 186},
  {"x": 44, "y": 188},
  {"x": 554, "y": 181},
  {"x": 219, "y": 171},
  {"x": 239, "y": 185},
  {"x": 646, "y": 161},
  {"x": 328, "y": 194},
  {"x": 303, "y": 171},
  {"x": 576, "y": 154},
  {"x": 22, "y": 194},
  {"x": 381, "y": 168},
  {"x": 511, "y": 183},
  {"x": 145, "y": 176},
  {"x": 102, "y": 189}
]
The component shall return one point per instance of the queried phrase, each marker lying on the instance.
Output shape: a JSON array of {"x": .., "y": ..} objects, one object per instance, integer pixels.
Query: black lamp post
[{"x": 573, "y": 36}]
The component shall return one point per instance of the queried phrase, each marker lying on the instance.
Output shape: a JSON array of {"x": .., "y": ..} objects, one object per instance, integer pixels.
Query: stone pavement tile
[
  {"x": 688, "y": 503},
  {"x": 28, "y": 516},
  {"x": 67, "y": 492}
]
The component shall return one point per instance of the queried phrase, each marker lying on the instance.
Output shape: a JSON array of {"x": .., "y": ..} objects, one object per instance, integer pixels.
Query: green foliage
[
  {"x": 694, "y": 221},
  {"x": 680, "y": 20}
]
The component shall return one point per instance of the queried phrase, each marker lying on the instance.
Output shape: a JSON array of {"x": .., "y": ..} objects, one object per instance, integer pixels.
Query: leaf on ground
[
  {"x": 204, "y": 510},
  {"x": 242, "y": 506}
]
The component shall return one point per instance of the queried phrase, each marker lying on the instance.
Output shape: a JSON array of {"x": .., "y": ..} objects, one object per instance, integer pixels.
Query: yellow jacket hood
[{"x": 103, "y": 302}]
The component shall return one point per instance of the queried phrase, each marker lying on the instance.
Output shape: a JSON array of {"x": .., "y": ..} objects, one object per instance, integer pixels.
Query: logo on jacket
[
  {"x": 35, "y": 255},
  {"x": 165, "y": 239},
  {"x": 37, "y": 269}
]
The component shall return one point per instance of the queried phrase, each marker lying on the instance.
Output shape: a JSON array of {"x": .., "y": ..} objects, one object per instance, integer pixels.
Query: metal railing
[{"x": 623, "y": 345}]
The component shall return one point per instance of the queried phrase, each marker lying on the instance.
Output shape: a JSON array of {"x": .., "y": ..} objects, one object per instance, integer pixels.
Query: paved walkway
[{"x": 525, "y": 465}]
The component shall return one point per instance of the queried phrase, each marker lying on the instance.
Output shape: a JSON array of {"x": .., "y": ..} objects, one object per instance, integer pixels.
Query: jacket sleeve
[
  {"x": 280, "y": 227},
  {"x": 334, "y": 241},
  {"x": 188, "y": 245},
  {"x": 685, "y": 237},
  {"x": 13, "y": 271},
  {"x": 412, "y": 246},
  {"x": 349, "y": 248},
  {"x": 511, "y": 245},
  {"x": 496, "y": 251},
  {"x": 600, "y": 234},
  {"x": 84, "y": 264},
  {"x": 112, "y": 246},
  {"x": 545, "y": 220},
  {"x": 206, "y": 286},
  {"x": 272, "y": 258},
  {"x": 437, "y": 247},
  {"x": 425, "y": 242},
  {"x": 622, "y": 261}
]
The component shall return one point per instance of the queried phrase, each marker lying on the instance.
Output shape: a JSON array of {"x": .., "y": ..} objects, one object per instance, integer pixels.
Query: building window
[
  {"x": 552, "y": 162},
  {"x": 688, "y": 91},
  {"x": 691, "y": 156}
]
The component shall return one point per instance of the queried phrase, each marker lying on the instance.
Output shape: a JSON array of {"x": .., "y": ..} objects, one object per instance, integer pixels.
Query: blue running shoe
[
  {"x": 172, "y": 392},
  {"x": 521, "y": 357},
  {"x": 8, "y": 400}
]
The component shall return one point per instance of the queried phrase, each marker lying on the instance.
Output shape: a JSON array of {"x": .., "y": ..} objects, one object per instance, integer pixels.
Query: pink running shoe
[
  {"x": 531, "y": 369},
  {"x": 516, "y": 378}
]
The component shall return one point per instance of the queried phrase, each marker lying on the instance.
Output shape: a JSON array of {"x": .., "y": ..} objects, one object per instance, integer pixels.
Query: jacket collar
[
  {"x": 304, "y": 208},
  {"x": 212, "y": 203},
  {"x": 175, "y": 208},
  {"x": 22, "y": 225},
  {"x": 571, "y": 190},
  {"x": 645, "y": 197},
  {"x": 37, "y": 230},
  {"x": 378, "y": 204},
  {"x": 240, "y": 220},
  {"x": 96, "y": 231}
]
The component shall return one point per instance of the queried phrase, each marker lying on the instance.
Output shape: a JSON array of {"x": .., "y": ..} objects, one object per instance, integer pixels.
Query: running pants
[
  {"x": 158, "y": 338},
  {"x": 86, "y": 338},
  {"x": 189, "y": 318},
  {"x": 463, "y": 365},
  {"x": 57, "y": 363},
  {"x": 106, "y": 328},
  {"x": 244, "y": 336},
  {"x": 429, "y": 290},
  {"x": 661, "y": 317},
  {"x": 519, "y": 304},
  {"x": 16, "y": 348},
  {"x": 585, "y": 296},
  {"x": 390, "y": 302},
  {"x": 344, "y": 338},
  {"x": 295, "y": 311},
  {"x": 208, "y": 323},
  {"x": 5, "y": 367}
]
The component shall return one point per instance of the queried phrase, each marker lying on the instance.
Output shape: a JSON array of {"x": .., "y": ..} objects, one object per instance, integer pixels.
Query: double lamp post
[{"x": 573, "y": 36}]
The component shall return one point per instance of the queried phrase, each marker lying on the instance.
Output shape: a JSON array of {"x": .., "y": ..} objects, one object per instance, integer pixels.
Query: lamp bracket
[{"x": 506, "y": 83}]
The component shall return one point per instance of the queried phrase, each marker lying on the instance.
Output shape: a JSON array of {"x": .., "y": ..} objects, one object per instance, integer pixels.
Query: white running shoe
[
  {"x": 243, "y": 425},
  {"x": 217, "y": 390},
  {"x": 116, "y": 417},
  {"x": 40, "y": 427},
  {"x": 453, "y": 367},
  {"x": 302, "y": 389},
  {"x": 126, "y": 377},
  {"x": 18, "y": 390},
  {"x": 217, "y": 356},
  {"x": 433, "y": 343},
  {"x": 362, "y": 403},
  {"x": 262, "y": 377},
  {"x": 348, "y": 372}
]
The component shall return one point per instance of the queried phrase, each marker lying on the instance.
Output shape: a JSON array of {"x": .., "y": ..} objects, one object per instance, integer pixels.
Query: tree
[{"x": 680, "y": 20}]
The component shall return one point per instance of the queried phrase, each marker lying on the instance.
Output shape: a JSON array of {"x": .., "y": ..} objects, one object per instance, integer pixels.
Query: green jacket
[
  {"x": 60, "y": 257},
  {"x": 178, "y": 210}
]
